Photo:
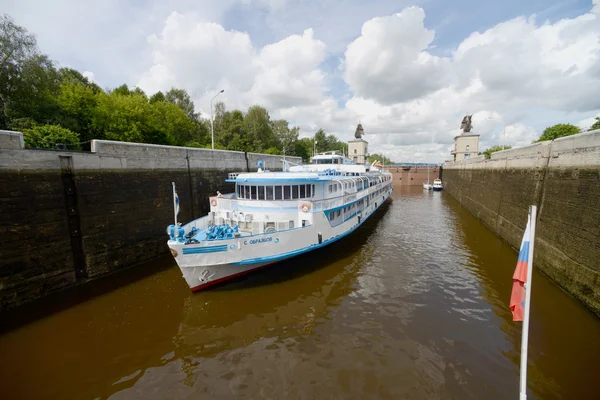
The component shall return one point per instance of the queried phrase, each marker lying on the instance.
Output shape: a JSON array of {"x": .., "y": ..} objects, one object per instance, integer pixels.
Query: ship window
[
  {"x": 239, "y": 192},
  {"x": 330, "y": 188},
  {"x": 338, "y": 213},
  {"x": 287, "y": 193},
  {"x": 278, "y": 193},
  {"x": 295, "y": 192},
  {"x": 261, "y": 192},
  {"x": 302, "y": 191},
  {"x": 308, "y": 191},
  {"x": 313, "y": 191},
  {"x": 246, "y": 192},
  {"x": 331, "y": 216},
  {"x": 253, "y": 189},
  {"x": 269, "y": 191}
]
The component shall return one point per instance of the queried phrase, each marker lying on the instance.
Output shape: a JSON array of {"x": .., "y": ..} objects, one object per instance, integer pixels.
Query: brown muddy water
[{"x": 413, "y": 305}]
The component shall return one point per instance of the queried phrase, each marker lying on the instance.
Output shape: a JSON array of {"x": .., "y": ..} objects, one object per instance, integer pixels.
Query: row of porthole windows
[
  {"x": 286, "y": 192},
  {"x": 335, "y": 214}
]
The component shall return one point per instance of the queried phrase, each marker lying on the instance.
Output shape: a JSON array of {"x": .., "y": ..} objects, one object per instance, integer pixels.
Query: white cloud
[
  {"x": 389, "y": 61},
  {"x": 204, "y": 57},
  {"x": 512, "y": 72},
  {"x": 90, "y": 76},
  {"x": 586, "y": 123}
]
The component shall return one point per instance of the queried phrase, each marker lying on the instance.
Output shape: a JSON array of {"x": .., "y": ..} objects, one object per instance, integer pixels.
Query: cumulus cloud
[
  {"x": 505, "y": 76},
  {"x": 204, "y": 57},
  {"x": 389, "y": 61}
]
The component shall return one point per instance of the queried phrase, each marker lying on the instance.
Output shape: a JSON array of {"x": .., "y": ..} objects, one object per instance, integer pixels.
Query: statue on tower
[
  {"x": 359, "y": 132},
  {"x": 465, "y": 125}
]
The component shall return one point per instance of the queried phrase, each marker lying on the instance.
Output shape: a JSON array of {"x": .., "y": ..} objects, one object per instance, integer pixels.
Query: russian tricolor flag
[{"x": 517, "y": 297}]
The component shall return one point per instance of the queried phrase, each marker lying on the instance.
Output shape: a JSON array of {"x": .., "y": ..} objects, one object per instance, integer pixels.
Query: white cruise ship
[{"x": 273, "y": 216}]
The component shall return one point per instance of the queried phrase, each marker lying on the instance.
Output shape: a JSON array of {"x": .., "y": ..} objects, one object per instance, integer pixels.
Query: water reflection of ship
[{"x": 276, "y": 303}]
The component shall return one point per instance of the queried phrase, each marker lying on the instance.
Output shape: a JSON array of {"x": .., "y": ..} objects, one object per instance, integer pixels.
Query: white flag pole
[
  {"x": 174, "y": 203},
  {"x": 525, "y": 330}
]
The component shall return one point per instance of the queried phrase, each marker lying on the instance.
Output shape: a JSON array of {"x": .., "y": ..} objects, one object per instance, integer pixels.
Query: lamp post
[
  {"x": 212, "y": 129},
  {"x": 315, "y": 149}
]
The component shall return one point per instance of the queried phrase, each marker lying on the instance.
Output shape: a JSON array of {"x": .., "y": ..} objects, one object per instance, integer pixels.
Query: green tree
[
  {"x": 182, "y": 99},
  {"x": 77, "y": 102},
  {"x": 28, "y": 79},
  {"x": 558, "y": 130},
  {"x": 48, "y": 136},
  {"x": 303, "y": 148},
  {"x": 596, "y": 124},
  {"x": 130, "y": 118},
  {"x": 488, "y": 152},
  {"x": 258, "y": 126},
  {"x": 273, "y": 150},
  {"x": 70, "y": 75},
  {"x": 122, "y": 90},
  {"x": 156, "y": 97},
  {"x": 172, "y": 121},
  {"x": 286, "y": 137}
]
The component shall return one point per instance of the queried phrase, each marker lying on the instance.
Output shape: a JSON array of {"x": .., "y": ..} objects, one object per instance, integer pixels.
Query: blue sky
[{"x": 408, "y": 70}]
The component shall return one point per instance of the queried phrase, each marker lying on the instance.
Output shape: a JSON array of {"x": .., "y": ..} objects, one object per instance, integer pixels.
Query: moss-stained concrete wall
[
  {"x": 68, "y": 217},
  {"x": 562, "y": 178}
]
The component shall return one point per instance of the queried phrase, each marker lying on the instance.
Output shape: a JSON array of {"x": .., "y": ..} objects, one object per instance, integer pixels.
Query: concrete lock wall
[
  {"x": 67, "y": 217},
  {"x": 561, "y": 177},
  {"x": 412, "y": 176}
]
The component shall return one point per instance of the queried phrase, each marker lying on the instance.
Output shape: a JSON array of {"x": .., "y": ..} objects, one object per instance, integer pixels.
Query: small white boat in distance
[{"x": 437, "y": 185}]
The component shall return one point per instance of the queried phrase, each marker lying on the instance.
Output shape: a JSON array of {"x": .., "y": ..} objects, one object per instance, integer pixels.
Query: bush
[
  {"x": 273, "y": 150},
  {"x": 488, "y": 152},
  {"x": 47, "y": 136},
  {"x": 559, "y": 130}
]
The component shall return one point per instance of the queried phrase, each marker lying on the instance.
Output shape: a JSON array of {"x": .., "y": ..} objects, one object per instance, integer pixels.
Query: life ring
[
  {"x": 213, "y": 202},
  {"x": 305, "y": 207}
]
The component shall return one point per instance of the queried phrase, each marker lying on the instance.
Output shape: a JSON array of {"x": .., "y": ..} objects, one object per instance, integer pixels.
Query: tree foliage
[
  {"x": 559, "y": 130},
  {"x": 488, "y": 152},
  {"x": 61, "y": 105},
  {"x": 49, "y": 136},
  {"x": 378, "y": 157},
  {"x": 182, "y": 99},
  {"x": 596, "y": 124}
]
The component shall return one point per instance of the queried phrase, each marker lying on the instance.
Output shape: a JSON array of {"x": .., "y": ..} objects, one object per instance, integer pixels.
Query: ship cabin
[{"x": 266, "y": 202}]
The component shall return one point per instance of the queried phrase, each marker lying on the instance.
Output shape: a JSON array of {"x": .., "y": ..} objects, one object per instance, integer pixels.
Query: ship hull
[{"x": 206, "y": 265}]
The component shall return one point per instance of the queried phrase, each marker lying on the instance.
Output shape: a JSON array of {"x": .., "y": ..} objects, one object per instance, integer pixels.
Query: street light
[
  {"x": 212, "y": 129},
  {"x": 315, "y": 149}
]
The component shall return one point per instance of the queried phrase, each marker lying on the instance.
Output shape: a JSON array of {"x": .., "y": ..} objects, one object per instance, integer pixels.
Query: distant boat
[
  {"x": 437, "y": 185},
  {"x": 427, "y": 186}
]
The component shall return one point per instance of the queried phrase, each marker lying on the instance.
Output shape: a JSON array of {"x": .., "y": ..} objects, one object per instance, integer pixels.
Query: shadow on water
[{"x": 67, "y": 298}]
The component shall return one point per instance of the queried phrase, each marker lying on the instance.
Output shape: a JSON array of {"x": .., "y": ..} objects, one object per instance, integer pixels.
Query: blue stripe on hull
[{"x": 203, "y": 250}]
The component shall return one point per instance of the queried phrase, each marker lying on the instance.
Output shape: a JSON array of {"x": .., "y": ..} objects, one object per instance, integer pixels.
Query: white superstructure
[{"x": 273, "y": 216}]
